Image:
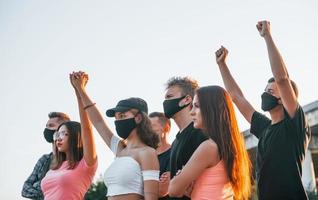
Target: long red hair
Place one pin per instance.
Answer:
(220, 124)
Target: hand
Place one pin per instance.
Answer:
(220, 55)
(164, 177)
(189, 190)
(164, 181)
(78, 80)
(263, 28)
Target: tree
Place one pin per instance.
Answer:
(97, 191)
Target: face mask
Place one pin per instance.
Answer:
(48, 135)
(124, 127)
(269, 101)
(171, 106)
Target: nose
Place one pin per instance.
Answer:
(192, 111)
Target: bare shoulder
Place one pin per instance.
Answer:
(208, 146)
(147, 152)
(208, 149)
(148, 158)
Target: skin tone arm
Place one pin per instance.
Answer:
(89, 150)
(232, 87)
(279, 70)
(164, 184)
(94, 114)
(191, 171)
(149, 161)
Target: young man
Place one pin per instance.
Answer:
(161, 125)
(177, 105)
(32, 186)
(283, 139)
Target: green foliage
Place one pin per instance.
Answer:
(97, 191)
(312, 195)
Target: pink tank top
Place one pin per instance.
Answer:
(68, 184)
(214, 184)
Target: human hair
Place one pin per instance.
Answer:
(220, 124)
(186, 84)
(145, 131)
(164, 121)
(75, 146)
(61, 116)
(293, 84)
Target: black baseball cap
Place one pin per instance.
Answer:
(127, 104)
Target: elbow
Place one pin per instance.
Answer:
(281, 80)
(235, 98)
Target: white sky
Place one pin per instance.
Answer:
(131, 48)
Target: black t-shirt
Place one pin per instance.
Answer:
(281, 150)
(164, 161)
(183, 147)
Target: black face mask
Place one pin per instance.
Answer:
(125, 126)
(269, 101)
(48, 135)
(171, 106)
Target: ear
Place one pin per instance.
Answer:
(138, 118)
(186, 100)
(166, 129)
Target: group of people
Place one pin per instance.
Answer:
(208, 158)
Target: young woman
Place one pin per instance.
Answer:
(134, 174)
(220, 168)
(75, 160)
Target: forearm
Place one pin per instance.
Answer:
(151, 190)
(95, 117)
(176, 188)
(276, 61)
(32, 190)
(87, 134)
(230, 84)
(163, 189)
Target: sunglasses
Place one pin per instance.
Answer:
(60, 134)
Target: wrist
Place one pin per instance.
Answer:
(89, 106)
(221, 63)
(268, 37)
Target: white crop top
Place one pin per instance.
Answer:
(124, 175)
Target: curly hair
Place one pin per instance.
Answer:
(187, 84)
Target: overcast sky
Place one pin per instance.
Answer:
(131, 48)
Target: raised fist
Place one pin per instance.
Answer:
(78, 80)
(263, 28)
(221, 54)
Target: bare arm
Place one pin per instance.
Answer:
(149, 161)
(95, 116)
(89, 149)
(231, 86)
(164, 184)
(279, 70)
(192, 170)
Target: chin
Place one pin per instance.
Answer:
(195, 125)
(62, 150)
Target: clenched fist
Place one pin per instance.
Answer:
(220, 55)
(263, 28)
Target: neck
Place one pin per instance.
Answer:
(277, 114)
(68, 153)
(133, 140)
(53, 148)
(163, 145)
(182, 118)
